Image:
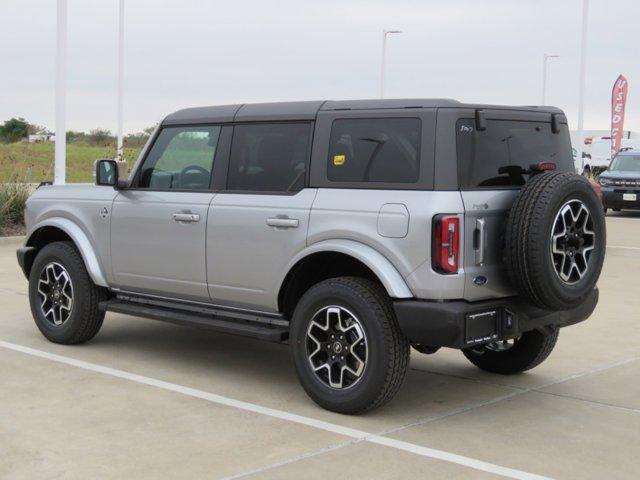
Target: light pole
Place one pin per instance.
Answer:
(59, 169)
(583, 69)
(384, 57)
(120, 150)
(545, 57)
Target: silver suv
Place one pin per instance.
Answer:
(351, 229)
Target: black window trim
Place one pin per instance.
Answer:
(226, 190)
(135, 178)
(369, 185)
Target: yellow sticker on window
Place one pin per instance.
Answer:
(338, 160)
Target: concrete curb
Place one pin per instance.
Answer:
(17, 240)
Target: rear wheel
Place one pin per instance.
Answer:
(514, 356)
(64, 300)
(349, 353)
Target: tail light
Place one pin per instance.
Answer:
(446, 244)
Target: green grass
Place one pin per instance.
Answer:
(12, 201)
(33, 162)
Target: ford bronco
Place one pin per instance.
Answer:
(354, 230)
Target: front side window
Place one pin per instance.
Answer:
(181, 159)
(502, 155)
(375, 150)
(269, 157)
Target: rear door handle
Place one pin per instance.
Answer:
(480, 241)
(283, 222)
(186, 217)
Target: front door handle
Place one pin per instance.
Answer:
(186, 217)
(283, 222)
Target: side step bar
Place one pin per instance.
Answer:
(226, 324)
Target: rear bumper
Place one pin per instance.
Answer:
(614, 199)
(461, 324)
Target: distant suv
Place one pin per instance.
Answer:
(621, 182)
(352, 229)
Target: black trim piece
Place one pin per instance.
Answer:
(273, 333)
(206, 309)
(481, 120)
(26, 255)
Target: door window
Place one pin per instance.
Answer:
(269, 157)
(181, 159)
(374, 150)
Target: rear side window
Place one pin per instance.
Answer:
(269, 157)
(375, 150)
(500, 155)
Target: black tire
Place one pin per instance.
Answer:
(84, 319)
(531, 266)
(387, 355)
(529, 351)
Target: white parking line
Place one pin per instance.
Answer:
(623, 247)
(282, 415)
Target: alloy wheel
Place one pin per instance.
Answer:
(572, 241)
(336, 346)
(55, 292)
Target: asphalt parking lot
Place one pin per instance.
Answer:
(146, 399)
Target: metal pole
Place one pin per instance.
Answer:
(61, 93)
(120, 148)
(544, 79)
(583, 69)
(384, 58)
(545, 59)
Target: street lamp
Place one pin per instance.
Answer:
(59, 169)
(545, 57)
(583, 70)
(384, 57)
(119, 134)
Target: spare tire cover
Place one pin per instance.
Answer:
(555, 240)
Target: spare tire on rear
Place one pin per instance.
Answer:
(555, 240)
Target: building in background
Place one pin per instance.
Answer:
(41, 137)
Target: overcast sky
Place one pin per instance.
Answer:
(195, 52)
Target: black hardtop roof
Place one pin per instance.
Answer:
(308, 110)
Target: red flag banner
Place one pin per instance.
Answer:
(618, 104)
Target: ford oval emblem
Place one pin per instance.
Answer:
(480, 280)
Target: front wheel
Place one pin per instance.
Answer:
(64, 300)
(514, 356)
(349, 353)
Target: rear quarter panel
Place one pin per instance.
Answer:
(371, 216)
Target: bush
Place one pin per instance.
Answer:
(13, 197)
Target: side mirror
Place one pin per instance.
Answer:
(107, 173)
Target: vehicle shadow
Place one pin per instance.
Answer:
(263, 373)
(624, 213)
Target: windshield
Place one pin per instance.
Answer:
(502, 154)
(625, 163)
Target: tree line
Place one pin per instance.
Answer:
(18, 129)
